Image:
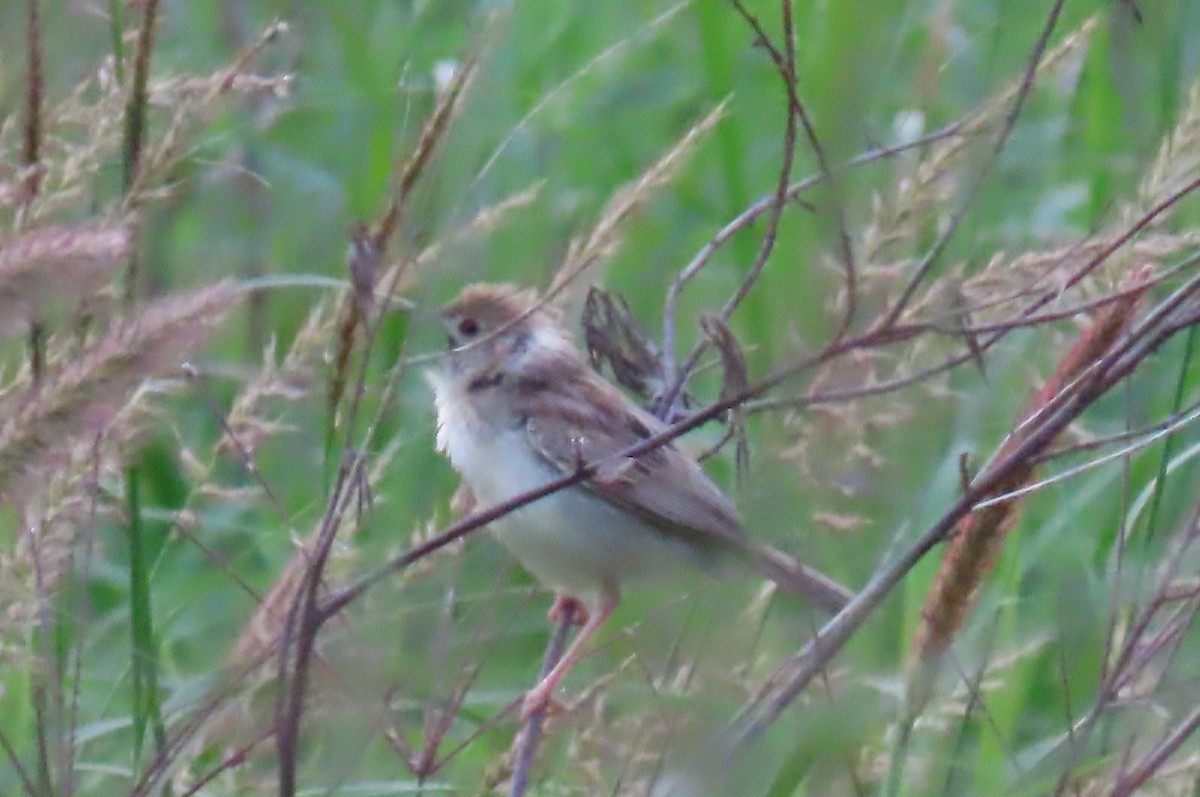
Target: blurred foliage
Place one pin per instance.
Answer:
(579, 99)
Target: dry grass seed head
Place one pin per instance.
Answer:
(923, 193)
(66, 506)
(84, 131)
(1176, 165)
(613, 335)
(52, 262)
(191, 101)
(79, 397)
(980, 536)
(485, 221)
(245, 426)
(261, 633)
(921, 197)
(605, 237)
(1178, 159)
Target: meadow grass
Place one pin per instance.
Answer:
(919, 281)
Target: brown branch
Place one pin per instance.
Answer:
(786, 66)
(980, 535)
(305, 617)
(300, 631)
(676, 380)
(135, 127)
(34, 87)
(795, 674)
(35, 83)
(135, 106)
(530, 734)
(787, 71)
(1130, 782)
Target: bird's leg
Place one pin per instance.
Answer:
(579, 612)
(538, 697)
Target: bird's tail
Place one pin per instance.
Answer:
(812, 585)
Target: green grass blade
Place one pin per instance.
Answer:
(1168, 445)
(147, 710)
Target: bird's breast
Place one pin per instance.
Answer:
(572, 540)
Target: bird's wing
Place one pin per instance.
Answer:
(587, 421)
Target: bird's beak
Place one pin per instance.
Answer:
(447, 323)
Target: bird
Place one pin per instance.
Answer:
(518, 406)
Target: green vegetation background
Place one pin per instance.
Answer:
(580, 98)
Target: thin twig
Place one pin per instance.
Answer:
(530, 734)
(301, 628)
(1130, 782)
(787, 71)
(26, 782)
(135, 126)
(879, 336)
(1143, 439)
(466, 525)
(795, 674)
(34, 87)
(188, 730)
(231, 761)
(1121, 667)
(786, 65)
(676, 379)
(84, 610)
(976, 186)
(245, 457)
(642, 31)
(305, 617)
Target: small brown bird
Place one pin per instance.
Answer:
(518, 406)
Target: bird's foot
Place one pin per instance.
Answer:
(541, 698)
(579, 612)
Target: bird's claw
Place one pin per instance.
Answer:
(541, 699)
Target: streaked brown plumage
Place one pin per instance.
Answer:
(518, 406)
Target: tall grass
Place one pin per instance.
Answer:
(918, 282)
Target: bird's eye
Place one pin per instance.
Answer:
(468, 327)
